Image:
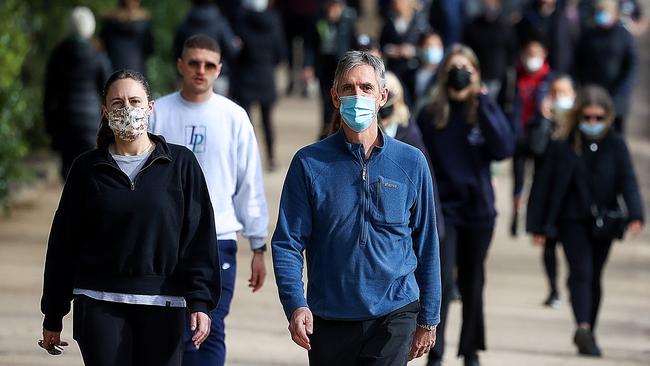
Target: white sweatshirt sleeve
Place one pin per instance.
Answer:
(249, 199)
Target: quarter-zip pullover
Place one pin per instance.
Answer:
(367, 228)
(154, 235)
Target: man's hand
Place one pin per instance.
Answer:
(301, 326)
(258, 271)
(423, 341)
(200, 325)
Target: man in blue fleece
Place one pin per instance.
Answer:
(360, 205)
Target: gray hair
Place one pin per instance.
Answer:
(352, 59)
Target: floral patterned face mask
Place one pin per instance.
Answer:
(128, 123)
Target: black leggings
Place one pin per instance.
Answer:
(115, 334)
(586, 258)
(550, 263)
(465, 248)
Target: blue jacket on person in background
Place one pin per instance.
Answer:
(461, 154)
(367, 228)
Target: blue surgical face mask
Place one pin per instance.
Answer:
(432, 55)
(592, 129)
(563, 103)
(358, 111)
(602, 18)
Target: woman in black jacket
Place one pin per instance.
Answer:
(132, 242)
(464, 132)
(253, 79)
(575, 198)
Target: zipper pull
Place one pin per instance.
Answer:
(133, 186)
(364, 173)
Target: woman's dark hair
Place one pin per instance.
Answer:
(105, 135)
(591, 95)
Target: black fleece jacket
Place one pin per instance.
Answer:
(155, 236)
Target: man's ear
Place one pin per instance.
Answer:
(219, 66)
(383, 96)
(335, 98)
(179, 64)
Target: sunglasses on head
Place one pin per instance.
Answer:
(590, 117)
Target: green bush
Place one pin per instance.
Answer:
(13, 122)
(28, 33)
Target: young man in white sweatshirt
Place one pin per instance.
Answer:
(221, 136)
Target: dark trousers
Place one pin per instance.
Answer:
(115, 334)
(267, 124)
(463, 248)
(550, 263)
(586, 258)
(519, 170)
(213, 351)
(382, 341)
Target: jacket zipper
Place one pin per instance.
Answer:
(365, 202)
(142, 170)
(132, 183)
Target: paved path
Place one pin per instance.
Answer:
(519, 330)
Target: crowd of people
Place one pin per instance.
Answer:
(412, 122)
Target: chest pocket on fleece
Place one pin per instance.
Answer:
(390, 201)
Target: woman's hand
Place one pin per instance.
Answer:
(635, 227)
(51, 340)
(200, 325)
(539, 240)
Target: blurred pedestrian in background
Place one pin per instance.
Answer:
(221, 136)
(551, 123)
(205, 18)
(533, 73)
(74, 79)
(253, 77)
(325, 43)
(400, 35)
(547, 20)
(132, 241)
(448, 18)
(495, 44)
(419, 81)
(298, 18)
(606, 56)
(576, 198)
(126, 34)
(464, 132)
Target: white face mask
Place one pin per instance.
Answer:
(256, 5)
(128, 123)
(533, 64)
(563, 104)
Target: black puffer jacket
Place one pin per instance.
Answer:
(128, 43)
(263, 48)
(75, 76)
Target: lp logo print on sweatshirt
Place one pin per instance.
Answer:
(195, 138)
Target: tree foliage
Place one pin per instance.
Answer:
(28, 33)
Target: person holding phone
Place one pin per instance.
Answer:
(133, 242)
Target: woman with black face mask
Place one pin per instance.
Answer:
(464, 132)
